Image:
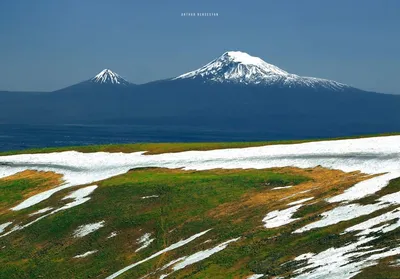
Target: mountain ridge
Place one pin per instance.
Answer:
(232, 67)
(273, 110)
(241, 68)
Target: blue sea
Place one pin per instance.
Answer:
(19, 137)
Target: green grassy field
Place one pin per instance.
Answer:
(232, 203)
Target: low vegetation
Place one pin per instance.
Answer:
(22, 185)
(174, 204)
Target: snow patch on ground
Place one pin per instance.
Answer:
(342, 262)
(365, 188)
(300, 201)
(173, 262)
(113, 234)
(149, 197)
(199, 256)
(351, 211)
(339, 214)
(304, 256)
(145, 241)
(40, 211)
(282, 187)
(369, 226)
(347, 261)
(169, 248)
(295, 194)
(288, 197)
(79, 196)
(84, 230)
(81, 193)
(4, 226)
(84, 255)
(395, 263)
(279, 218)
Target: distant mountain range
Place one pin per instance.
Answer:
(235, 92)
(235, 67)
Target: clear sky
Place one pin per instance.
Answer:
(48, 44)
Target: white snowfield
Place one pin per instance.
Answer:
(369, 155)
(378, 155)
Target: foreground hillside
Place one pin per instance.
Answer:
(326, 209)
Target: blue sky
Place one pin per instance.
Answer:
(47, 44)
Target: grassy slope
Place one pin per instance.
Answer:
(231, 202)
(157, 148)
(46, 248)
(20, 186)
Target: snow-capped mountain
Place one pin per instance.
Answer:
(109, 77)
(236, 94)
(242, 68)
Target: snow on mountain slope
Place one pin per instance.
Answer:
(109, 77)
(242, 68)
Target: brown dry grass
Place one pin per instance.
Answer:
(323, 184)
(48, 177)
(42, 180)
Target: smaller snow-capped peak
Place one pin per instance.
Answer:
(242, 68)
(109, 77)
